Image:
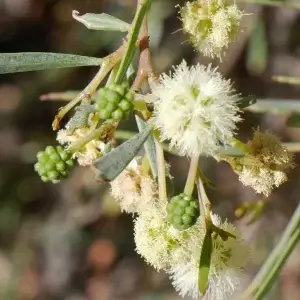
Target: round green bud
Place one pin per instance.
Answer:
(182, 211)
(53, 164)
(114, 102)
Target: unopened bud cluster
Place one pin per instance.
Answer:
(182, 211)
(53, 164)
(114, 102)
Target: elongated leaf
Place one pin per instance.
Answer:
(149, 146)
(101, 22)
(204, 265)
(34, 61)
(275, 106)
(132, 39)
(257, 52)
(112, 164)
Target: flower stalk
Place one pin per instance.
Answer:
(193, 170)
(161, 170)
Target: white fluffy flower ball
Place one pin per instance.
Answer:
(262, 180)
(134, 190)
(158, 242)
(152, 238)
(195, 108)
(228, 261)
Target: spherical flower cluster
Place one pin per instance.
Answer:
(272, 159)
(178, 253)
(211, 24)
(195, 108)
(262, 180)
(134, 190)
(229, 258)
(89, 152)
(159, 242)
(154, 239)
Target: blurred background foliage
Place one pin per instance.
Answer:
(69, 241)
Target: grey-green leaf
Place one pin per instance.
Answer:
(113, 163)
(204, 265)
(34, 61)
(101, 22)
(149, 146)
(80, 118)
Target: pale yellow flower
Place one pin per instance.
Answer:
(211, 25)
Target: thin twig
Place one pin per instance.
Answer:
(108, 63)
(145, 68)
(59, 96)
(287, 80)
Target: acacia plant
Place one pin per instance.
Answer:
(191, 111)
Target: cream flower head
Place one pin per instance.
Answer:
(133, 189)
(262, 180)
(272, 160)
(211, 24)
(228, 261)
(159, 242)
(89, 152)
(195, 108)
